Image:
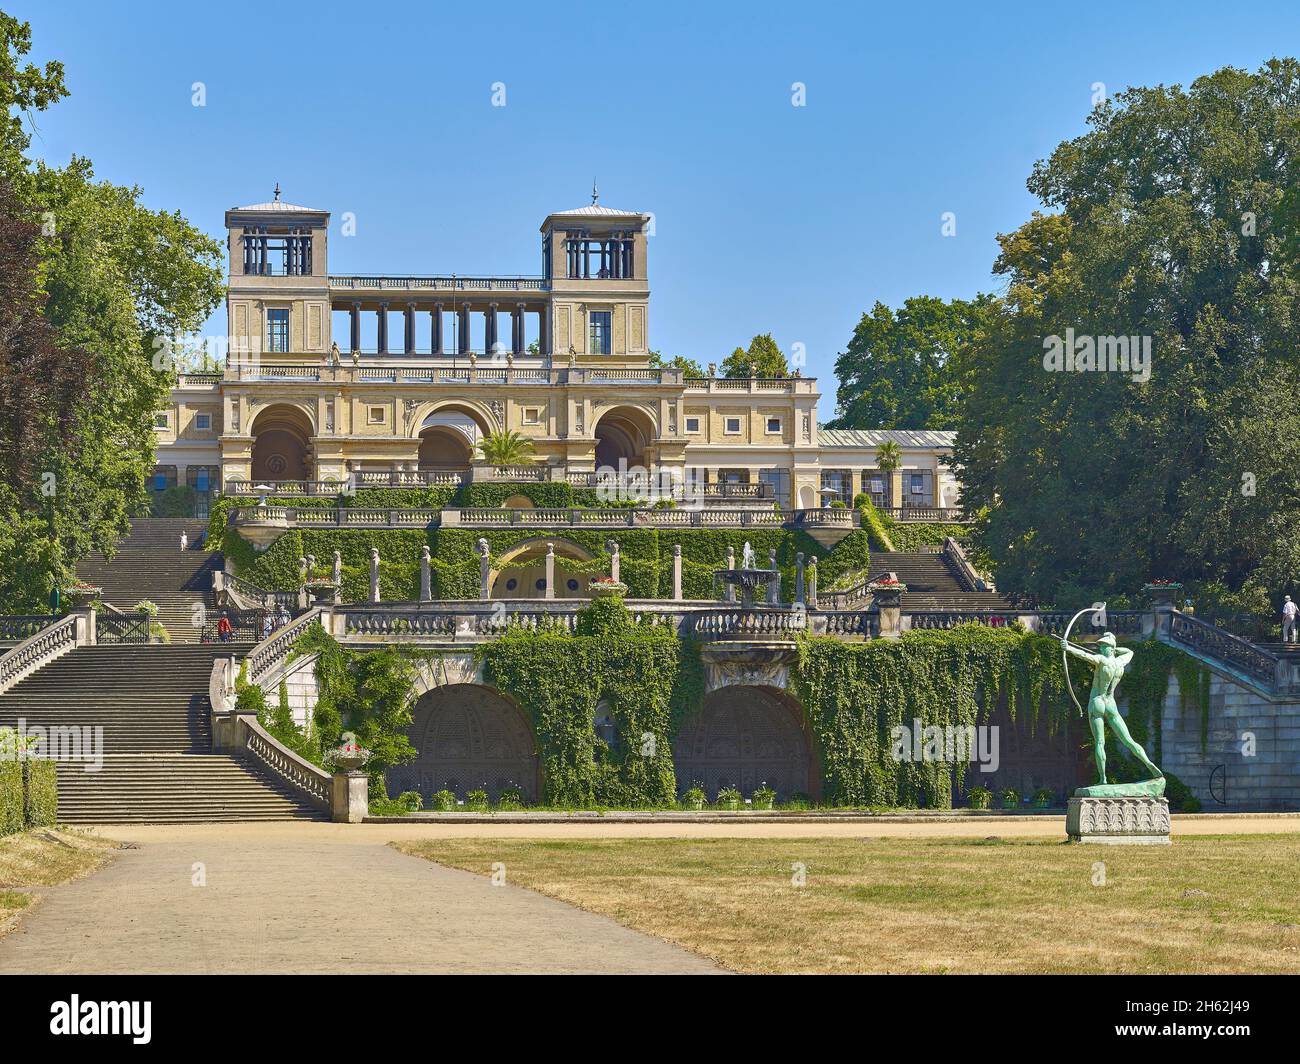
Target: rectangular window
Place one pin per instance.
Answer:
(277, 330)
(774, 426)
(160, 421)
(731, 426)
(203, 422)
(692, 425)
(532, 415)
(600, 333)
(376, 415)
(918, 484)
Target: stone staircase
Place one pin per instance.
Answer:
(932, 582)
(158, 766)
(149, 564)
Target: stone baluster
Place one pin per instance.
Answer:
(484, 568)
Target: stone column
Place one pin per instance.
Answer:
(518, 324)
(383, 329)
(550, 570)
(374, 574)
(773, 588)
(349, 797)
(484, 569)
(614, 560)
(798, 579)
(490, 329)
(462, 345)
(435, 338)
(409, 343)
(677, 572)
(426, 585)
(356, 327)
(337, 577)
(812, 584)
(730, 595)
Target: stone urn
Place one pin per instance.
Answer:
(1162, 594)
(349, 755)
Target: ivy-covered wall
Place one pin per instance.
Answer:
(645, 566)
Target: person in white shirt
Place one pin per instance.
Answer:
(185, 541)
(1288, 620)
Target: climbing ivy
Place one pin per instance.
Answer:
(855, 693)
(645, 677)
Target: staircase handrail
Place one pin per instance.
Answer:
(966, 573)
(314, 782)
(1221, 647)
(270, 654)
(20, 661)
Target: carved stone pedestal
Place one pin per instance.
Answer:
(1136, 821)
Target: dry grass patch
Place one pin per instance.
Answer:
(1205, 904)
(44, 857)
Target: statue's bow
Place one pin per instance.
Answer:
(1065, 653)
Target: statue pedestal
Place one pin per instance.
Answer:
(1132, 821)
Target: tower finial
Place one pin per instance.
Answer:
(277, 192)
(595, 193)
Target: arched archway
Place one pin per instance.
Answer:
(468, 736)
(745, 737)
(626, 434)
(520, 573)
(281, 445)
(444, 450)
(807, 498)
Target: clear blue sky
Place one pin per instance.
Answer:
(769, 217)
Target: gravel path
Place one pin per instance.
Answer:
(310, 898)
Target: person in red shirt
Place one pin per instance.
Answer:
(223, 629)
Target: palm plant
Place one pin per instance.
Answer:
(505, 448)
(888, 457)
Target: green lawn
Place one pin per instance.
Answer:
(1204, 904)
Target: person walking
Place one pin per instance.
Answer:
(185, 541)
(223, 629)
(1288, 620)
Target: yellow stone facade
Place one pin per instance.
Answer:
(328, 376)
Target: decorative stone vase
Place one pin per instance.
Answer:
(349, 755)
(887, 596)
(1162, 595)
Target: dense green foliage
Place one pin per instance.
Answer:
(106, 276)
(899, 371)
(1167, 227)
(646, 677)
(763, 358)
(29, 791)
(41, 792)
(855, 693)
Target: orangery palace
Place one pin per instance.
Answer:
(341, 379)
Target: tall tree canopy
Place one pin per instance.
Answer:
(1165, 227)
(110, 278)
(763, 358)
(899, 370)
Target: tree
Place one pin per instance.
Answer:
(686, 365)
(888, 457)
(763, 359)
(1185, 467)
(505, 448)
(899, 369)
(110, 277)
(43, 388)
